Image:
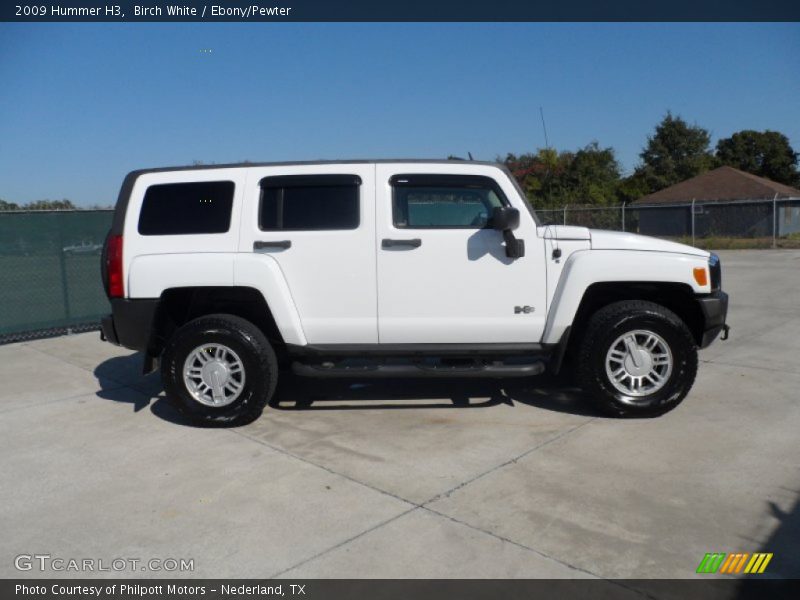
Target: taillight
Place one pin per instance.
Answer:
(114, 267)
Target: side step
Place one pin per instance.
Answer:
(412, 370)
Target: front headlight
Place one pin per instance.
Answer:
(715, 269)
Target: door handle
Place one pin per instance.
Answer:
(415, 243)
(284, 244)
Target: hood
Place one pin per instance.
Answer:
(617, 240)
(564, 232)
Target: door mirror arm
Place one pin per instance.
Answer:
(514, 248)
(506, 219)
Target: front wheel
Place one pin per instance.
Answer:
(219, 370)
(636, 359)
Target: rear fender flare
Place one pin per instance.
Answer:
(263, 273)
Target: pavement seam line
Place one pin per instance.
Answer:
(327, 469)
(511, 461)
(747, 338)
(118, 384)
(508, 540)
(72, 364)
(57, 400)
(530, 549)
(344, 542)
(741, 366)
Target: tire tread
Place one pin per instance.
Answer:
(606, 319)
(262, 353)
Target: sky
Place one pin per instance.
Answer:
(83, 104)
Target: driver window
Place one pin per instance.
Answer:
(443, 207)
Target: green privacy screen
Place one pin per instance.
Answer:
(50, 272)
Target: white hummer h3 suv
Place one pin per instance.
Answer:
(224, 275)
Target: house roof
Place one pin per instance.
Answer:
(724, 183)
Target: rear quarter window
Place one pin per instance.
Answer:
(187, 208)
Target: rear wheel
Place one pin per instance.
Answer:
(219, 369)
(636, 358)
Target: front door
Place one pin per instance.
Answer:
(443, 275)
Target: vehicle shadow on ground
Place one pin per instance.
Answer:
(545, 392)
(121, 380)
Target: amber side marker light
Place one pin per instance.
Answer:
(700, 276)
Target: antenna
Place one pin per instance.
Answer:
(544, 128)
(470, 155)
(547, 146)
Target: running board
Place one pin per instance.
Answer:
(500, 371)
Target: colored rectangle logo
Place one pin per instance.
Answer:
(734, 563)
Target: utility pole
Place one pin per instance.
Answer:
(775, 221)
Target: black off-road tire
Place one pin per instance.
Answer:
(252, 347)
(612, 321)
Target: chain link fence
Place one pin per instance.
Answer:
(771, 223)
(50, 272)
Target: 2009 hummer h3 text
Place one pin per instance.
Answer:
(223, 275)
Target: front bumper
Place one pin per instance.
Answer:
(715, 311)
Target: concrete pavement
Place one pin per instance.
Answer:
(448, 479)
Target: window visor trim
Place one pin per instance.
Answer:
(436, 180)
(284, 181)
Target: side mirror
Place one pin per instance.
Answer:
(505, 218)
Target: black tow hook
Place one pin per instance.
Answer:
(725, 330)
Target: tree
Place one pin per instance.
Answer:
(50, 205)
(593, 176)
(675, 152)
(541, 175)
(63, 204)
(764, 153)
(632, 188)
(552, 179)
(8, 205)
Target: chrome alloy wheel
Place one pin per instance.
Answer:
(639, 363)
(214, 375)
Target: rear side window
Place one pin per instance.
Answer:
(187, 208)
(444, 201)
(309, 202)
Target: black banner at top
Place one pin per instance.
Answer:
(402, 10)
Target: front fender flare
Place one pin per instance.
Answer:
(587, 267)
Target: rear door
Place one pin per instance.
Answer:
(318, 223)
(443, 276)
